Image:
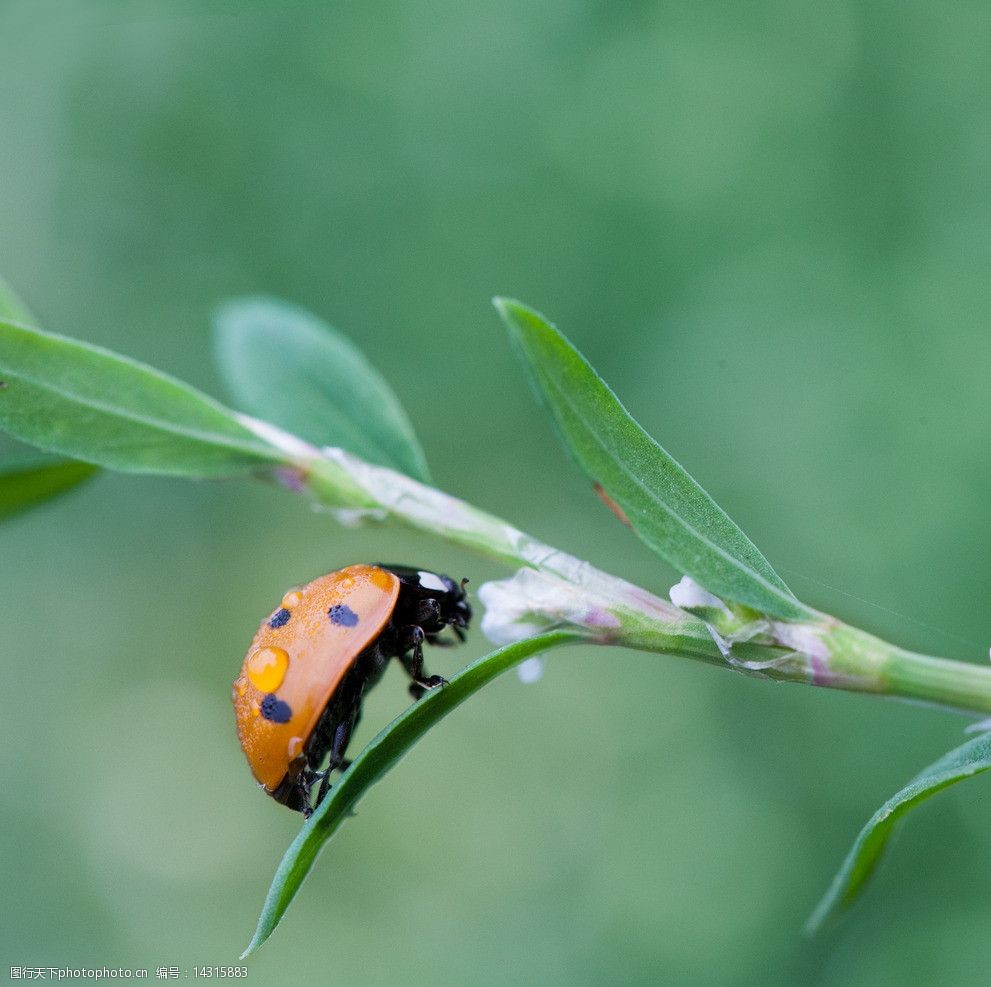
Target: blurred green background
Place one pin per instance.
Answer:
(766, 224)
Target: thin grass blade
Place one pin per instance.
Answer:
(382, 754)
(965, 761)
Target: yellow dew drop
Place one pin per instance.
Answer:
(266, 668)
(295, 747)
(292, 599)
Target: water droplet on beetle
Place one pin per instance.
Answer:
(267, 668)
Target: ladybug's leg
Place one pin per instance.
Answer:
(342, 737)
(303, 779)
(303, 789)
(411, 640)
(428, 615)
(324, 787)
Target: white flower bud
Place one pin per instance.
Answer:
(689, 595)
(532, 602)
(531, 670)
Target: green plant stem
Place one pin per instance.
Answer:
(393, 496)
(822, 652)
(909, 675)
(956, 684)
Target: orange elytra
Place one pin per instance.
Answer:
(301, 684)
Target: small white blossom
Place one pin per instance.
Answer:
(689, 595)
(532, 602)
(531, 670)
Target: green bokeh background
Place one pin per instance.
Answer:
(769, 227)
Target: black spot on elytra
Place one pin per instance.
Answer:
(280, 618)
(341, 613)
(275, 709)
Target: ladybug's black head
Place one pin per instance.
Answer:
(455, 605)
(455, 610)
(450, 597)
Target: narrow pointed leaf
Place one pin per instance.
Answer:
(383, 753)
(83, 401)
(969, 759)
(662, 503)
(26, 483)
(285, 365)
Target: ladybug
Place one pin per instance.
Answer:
(299, 692)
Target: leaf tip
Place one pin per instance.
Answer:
(260, 937)
(823, 915)
(233, 317)
(515, 313)
(502, 305)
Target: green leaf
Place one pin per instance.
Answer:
(284, 365)
(384, 752)
(12, 306)
(970, 759)
(82, 401)
(664, 505)
(29, 482)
